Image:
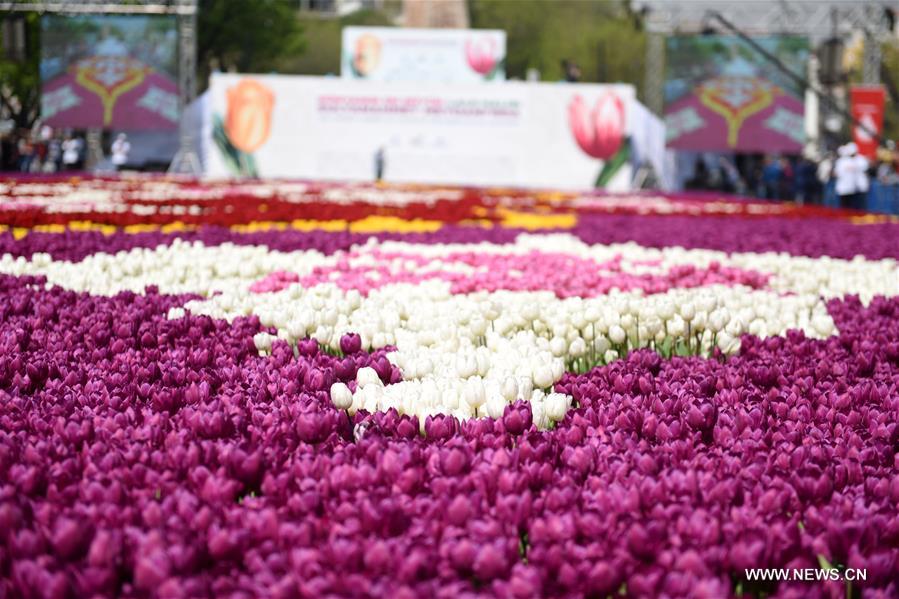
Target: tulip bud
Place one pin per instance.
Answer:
(525, 387)
(367, 376)
(735, 327)
(718, 320)
(509, 389)
(296, 330)
(706, 303)
(601, 344)
(578, 348)
(478, 326)
(495, 407)
(481, 357)
(530, 311)
(556, 405)
(558, 369)
(666, 310)
(617, 334)
(350, 343)
(543, 377)
(466, 366)
(263, 341)
(687, 311)
(823, 324)
(475, 395)
(341, 396)
(558, 346)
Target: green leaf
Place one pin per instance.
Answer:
(613, 164)
(496, 69)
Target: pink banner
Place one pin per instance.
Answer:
(112, 92)
(735, 113)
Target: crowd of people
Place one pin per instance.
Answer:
(843, 174)
(43, 150)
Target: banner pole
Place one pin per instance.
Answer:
(186, 161)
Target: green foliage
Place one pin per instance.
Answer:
(600, 36)
(249, 36)
(323, 42)
(20, 81)
(890, 72)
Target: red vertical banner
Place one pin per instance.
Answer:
(866, 103)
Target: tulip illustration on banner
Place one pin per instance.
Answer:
(246, 126)
(600, 133)
(482, 55)
(366, 56)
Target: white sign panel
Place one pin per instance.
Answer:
(434, 55)
(516, 134)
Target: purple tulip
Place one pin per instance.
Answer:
(350, 343)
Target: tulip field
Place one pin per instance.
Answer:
(291, 389)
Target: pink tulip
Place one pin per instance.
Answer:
(480, 55)
(600, 133)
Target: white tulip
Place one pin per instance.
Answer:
(475, 396)
(556, 405)
(718, 320)
(495, 407)
(263, 341)
(509, 389)
(558, 346)
(341, 396)
(543, 377)
(525, 387)
(558, 369)
(366, 377)
(578, 348)
(466, 366)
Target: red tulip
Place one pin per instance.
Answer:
(600, 133)
(481, 55)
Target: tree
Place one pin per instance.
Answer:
(249, 36)
(323, 42)
(601, 36)
(889, 71)
(20, 79)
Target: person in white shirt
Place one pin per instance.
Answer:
(69, 153)
(120, 149)
(851, 172)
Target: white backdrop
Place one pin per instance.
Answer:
(435, 55)
(514, 134)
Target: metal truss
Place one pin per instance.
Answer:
(156, 7)
(810, 18)
(185, 160)
(815, 19)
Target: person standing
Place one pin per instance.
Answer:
(54, 156)
(380, 164)
(851, 172)
(772, 176)
(26, 152)
(120, 149)
(69, 153)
